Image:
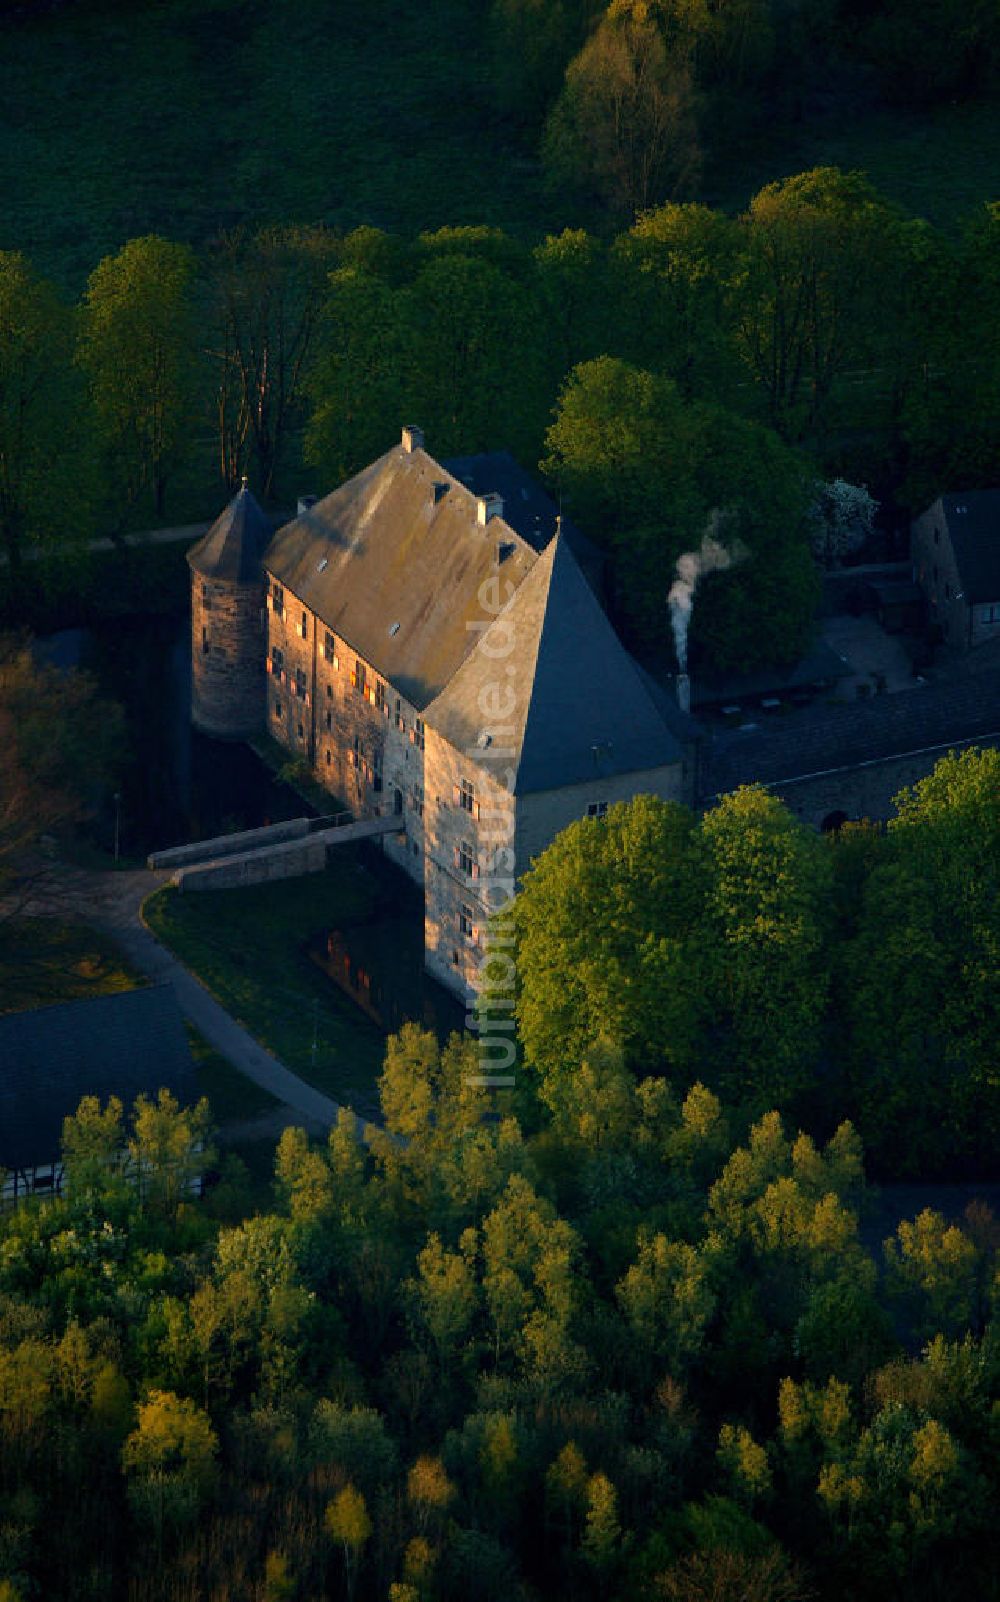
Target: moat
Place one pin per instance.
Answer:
(178, 785)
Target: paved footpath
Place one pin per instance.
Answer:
(111, 901)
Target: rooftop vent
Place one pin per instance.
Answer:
(440, 491)
(504, 549)
(487, 506)
(413, 438)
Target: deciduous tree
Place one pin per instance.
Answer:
(137, 349)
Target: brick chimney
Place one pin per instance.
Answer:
(487, 506)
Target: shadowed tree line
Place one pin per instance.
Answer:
(695, 364)
(630, 101)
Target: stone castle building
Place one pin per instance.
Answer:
(428, 640)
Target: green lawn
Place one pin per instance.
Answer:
(940, 165)
(194, 115)
(43, 961)
(249, 948)
(232, 1096)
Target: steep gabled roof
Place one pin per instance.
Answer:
(393, 561)
(582, 711)
(234, 546)
(528, 508)
(51, 1057)
(973, 520)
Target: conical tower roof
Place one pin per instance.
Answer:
(234, 546)
(581, 709)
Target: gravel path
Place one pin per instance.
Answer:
(111, 901)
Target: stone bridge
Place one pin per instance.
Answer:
(260, 856)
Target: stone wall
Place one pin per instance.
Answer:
(469, 815)
(363, 742)
(229, 845)
(540, 817)
(228, 641)
(863, 791)
(288, 861)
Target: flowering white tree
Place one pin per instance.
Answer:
(840, 520)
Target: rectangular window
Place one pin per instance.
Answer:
(465, 860)
(358, 677)
(204, 641)
(417, 800)
(206, 598)
(304, 627)
(467, 920)
(277, 661)
(278, 710)
(277, 599)
(300, 683)
(329, 720)
(330, 648)
(597, 809)
(990, 614)
(418, 730)
(380, 695)
(467, 796)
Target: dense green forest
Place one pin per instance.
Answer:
(612, 1334)
(695, 363)
(628, 1331)
(568, 258)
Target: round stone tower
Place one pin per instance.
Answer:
(228, 641)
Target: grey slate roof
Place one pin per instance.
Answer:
(974, 526)
(50, 1057)
(399, 544)
(527, 507)
(234, 546)
(820, 665)
(816, 740)
(582, 709)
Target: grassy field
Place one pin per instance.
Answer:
(195, 115)
(248, 947)
(43, 961)
(232, 1096)
(941, 166)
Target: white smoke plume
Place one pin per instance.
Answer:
(710, 557)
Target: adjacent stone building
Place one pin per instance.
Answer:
(956, 562)
(435, 649)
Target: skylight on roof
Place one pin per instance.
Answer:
(323, 564)
(393, 630)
